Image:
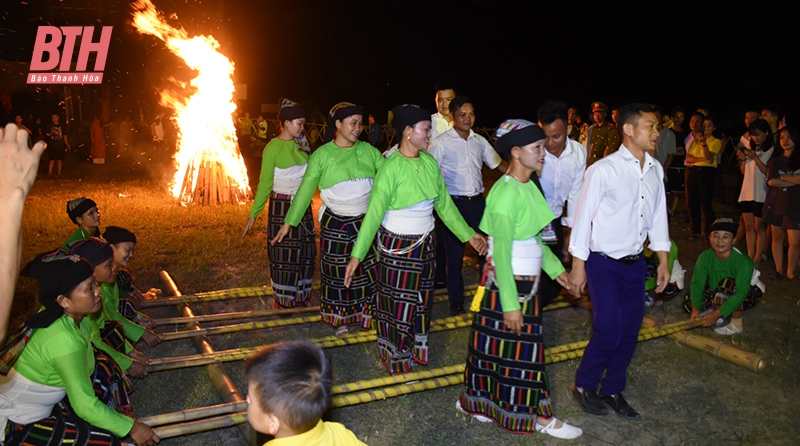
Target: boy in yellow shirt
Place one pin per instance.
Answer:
(288, 390)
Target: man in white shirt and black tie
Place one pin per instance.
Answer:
(461, 153)
(622, 203)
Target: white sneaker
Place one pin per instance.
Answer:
(720, 321)
(565, 432)
(728, 330)
(480, 418)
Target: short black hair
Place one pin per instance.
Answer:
(697, 113)
(292, 381)
(775, 111)
(445, 85)
(677, 110)
(716, 123)
(552, 110)
(630, 113)
(457, 102)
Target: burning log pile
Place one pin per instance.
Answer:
(210, 167)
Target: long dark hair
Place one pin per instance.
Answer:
(794, 158)
(763, 127)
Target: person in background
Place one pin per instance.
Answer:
(441, 120)
(84, 213)
(17, 174)
(603, 137)
(98, 153)
(460, 154)
(754, 158)
(157, 131)
(57, 144)
(374, 134)
(578, 130)
(701, 162)
(782, 207)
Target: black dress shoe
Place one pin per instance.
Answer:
(457, 309)
(618, 404)
(589, 401)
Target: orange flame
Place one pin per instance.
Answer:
(203, 109)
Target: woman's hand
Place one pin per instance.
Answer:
(143, 435)
(248, 226)
(150, 338)
(513, 321)
(478, 241)
(282, 232)
(350, 271)
(563, 280)
(137, 369)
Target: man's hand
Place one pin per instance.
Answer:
(478, 241)
(577, 278)
(663, 277)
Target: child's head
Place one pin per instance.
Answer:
(123, 243)
(288, 388)
(100, 255)
(723, 230)
(83, 212)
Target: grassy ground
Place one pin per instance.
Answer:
(684, 396)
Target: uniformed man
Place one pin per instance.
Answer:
(603, 137)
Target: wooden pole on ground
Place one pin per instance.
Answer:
(720, 349)
(216, 372)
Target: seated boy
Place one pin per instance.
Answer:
(730, 273)
(288, 390)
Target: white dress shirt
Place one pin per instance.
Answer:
(439, 125)
(621, 205)
(460, 161)
(562, 178)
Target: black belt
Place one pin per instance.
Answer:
(464, 197)
(627, 260)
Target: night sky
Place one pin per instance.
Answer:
(507, 56)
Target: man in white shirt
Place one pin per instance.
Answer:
(461, 153)
(622, 203)
(561, 179)
(441, 120)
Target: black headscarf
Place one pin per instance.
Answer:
(516, 133)
(290, 110)
(79, 206)
(93, 249)
(58, 273)
(408, 115)
(115, 234)
(340, 112)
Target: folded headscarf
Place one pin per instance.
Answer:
(79, 206)
(58, 273)
(115, 234)
(516, 133)
(93, 249)
(408, 115)
(290, 110)
(340, 112)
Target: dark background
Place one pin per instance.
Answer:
(508, 56)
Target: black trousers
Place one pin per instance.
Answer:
(472, 211)
(549, 288)
(699, 196)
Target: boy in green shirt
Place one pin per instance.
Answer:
(730, 273)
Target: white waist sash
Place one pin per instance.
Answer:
(24, 401)
(526, 256)
(416, 219)
(287, 181)
(348, 198)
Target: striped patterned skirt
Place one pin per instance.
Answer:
(505, 379)
(405, 297)
(64, 426)
(339, 305)
(291, 262)
(126, 306)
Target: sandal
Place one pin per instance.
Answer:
(341, 331)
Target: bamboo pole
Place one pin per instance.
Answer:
(196, 427)
(719, 349)
(233, 316)
(193, 414)
(258, 291)
(183, 334)
(226, 388)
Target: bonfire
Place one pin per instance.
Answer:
(210, 167)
